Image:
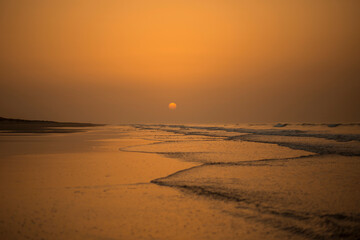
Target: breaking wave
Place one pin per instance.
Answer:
(298, 178)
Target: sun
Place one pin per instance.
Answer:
(172, 106)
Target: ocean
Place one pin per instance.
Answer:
(171, 181)
(300, 178)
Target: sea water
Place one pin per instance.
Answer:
(300, 178)
(166, 181)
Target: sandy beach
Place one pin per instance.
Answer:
(80, 186)
(141, 182)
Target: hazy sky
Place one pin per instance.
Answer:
(220, 60)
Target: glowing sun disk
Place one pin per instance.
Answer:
(172, 106)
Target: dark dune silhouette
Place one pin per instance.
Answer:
(41, 126)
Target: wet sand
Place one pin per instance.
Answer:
(94, 191)
(125, 182)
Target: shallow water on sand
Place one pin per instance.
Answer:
(302, 179)
(182, 182)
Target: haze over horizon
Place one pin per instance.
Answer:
(219, 61)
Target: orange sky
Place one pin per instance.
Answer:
(219, 60)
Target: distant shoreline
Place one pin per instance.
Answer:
(11, 125)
